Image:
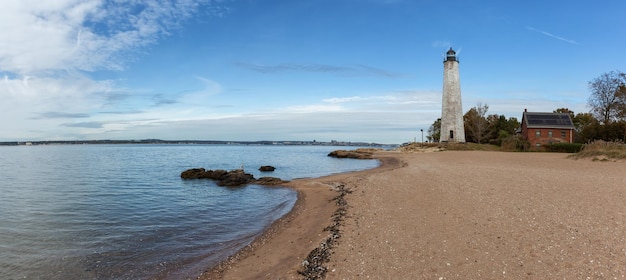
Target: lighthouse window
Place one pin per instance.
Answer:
(451, 134)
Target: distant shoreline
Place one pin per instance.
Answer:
(193, 142)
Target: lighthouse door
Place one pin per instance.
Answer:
(451, 134)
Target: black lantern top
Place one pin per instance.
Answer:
(451, 55)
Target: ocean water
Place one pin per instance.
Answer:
(122, 211)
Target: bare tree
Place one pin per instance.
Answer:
(608, 97)
(476, 124)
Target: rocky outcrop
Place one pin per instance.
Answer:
(267, 168)
(356, 154)
(201, 173)
(270, 181)
(229, 178)
(235, 178)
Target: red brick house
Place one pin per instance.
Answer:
(546, 128)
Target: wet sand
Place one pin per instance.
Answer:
(453, 215)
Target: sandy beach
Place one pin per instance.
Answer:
(453, 215)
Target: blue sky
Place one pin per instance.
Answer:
(346, 70)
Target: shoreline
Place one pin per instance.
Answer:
(454, 215)
(311, 214)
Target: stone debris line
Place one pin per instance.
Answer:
(314, 263)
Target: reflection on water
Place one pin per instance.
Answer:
(122, 211)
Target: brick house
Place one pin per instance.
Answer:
(546, 128)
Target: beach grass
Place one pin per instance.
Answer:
(470, 147)
(602, 151)
(424, 147)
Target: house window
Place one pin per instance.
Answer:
(550, 134)
(563, 134)
(537, 144)
(537, 133)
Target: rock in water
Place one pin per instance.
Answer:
(194, 173)
(215, 174)
(357, 154)
(235, 178)
(270, 181)
(265, 168)
(229, 178)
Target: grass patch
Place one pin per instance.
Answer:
(420, 147)
(415, 146)
(602, 151)
(470, 147)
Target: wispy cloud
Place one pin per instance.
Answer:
(441, 44)
(84, 124)
(131, 112)
(343, 99)
(356, 70)
(61, 115)
(552, 35)
(161, 100)
(395, 99)
(84, 35)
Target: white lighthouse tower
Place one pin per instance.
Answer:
(452, 129)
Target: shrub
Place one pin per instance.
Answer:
(514, 143)
(564, 147)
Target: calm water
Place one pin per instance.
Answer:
(122, 211)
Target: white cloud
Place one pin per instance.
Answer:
(39, 36)
(35, 104)
(342, 99)
(49, 48)
(393, 117)
(392, 101)
(322, 126)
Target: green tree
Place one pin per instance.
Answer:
(613, 131)
(565, 110)
(500, 128)
(608, 97)
(586, 127)
(434, 131)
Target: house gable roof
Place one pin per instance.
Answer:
(547, 120)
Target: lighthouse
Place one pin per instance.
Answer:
(452, 129)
